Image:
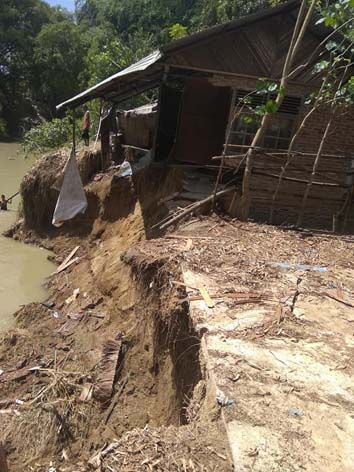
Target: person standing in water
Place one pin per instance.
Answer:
(4, 202)
(86, 125)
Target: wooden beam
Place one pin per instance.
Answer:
(301, 181)
(228, 74)
(275, 152)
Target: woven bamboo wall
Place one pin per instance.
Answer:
(327, 196)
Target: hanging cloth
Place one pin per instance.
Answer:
(72, 199)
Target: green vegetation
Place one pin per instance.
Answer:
(47, 135)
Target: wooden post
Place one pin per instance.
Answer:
(158, 116)
(99, 127)
(105, 142)
(74, 132)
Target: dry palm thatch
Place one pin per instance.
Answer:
(107, 370)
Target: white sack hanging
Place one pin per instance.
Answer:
(72, 199)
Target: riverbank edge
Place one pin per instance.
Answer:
(35, 321)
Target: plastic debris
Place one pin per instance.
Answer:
(303, 267)
(222, 399)
(125, 170)
(296, 412)
(86, 392)
(73, 297)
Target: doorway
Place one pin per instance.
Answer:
(202, 123)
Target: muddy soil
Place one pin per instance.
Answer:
(55, 363)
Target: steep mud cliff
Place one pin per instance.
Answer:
(113, 319)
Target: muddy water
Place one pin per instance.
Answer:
(22, 267)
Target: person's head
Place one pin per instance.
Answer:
(3, 197)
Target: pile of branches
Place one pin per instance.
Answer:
(49, 421)
(160, 449)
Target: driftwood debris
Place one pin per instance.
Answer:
(103, 388)
(68, 261)
(16, 375)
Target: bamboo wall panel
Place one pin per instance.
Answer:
(324, 202)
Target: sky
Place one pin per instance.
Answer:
(69, 4)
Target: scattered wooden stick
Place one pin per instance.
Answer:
(204, 293)
(116, 397)
(332, 294)
(194, 206)
(67, 261)
(70, 263)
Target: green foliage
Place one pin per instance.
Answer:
(220, 11)
(247, 120)
(107, 56)
(320, 66)
(58, 59)
(127, 17)
(47, 135)
(177, 31)
(336, 58)
(20, 23)
(336, 14)
(271, 106)
(265, 86)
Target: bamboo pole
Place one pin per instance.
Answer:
(314, 170)
(74, 132)
(234, 113)
(195, 206)
(302, 22)
(302, 181)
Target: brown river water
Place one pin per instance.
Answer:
(23, 268)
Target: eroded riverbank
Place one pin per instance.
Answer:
(116, 356)
(179, 352)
